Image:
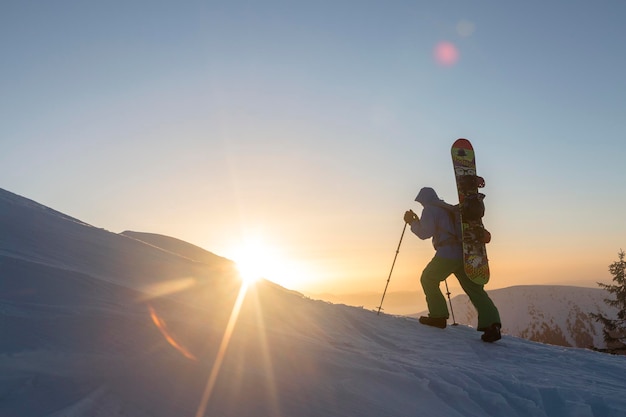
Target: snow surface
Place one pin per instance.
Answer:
(101, 324)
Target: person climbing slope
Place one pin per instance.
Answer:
(440, 223)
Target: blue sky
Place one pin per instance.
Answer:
(309, 128)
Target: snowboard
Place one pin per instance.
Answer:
(472, 208)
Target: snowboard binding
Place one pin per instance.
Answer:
(470, 182)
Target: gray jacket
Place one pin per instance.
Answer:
(438, 222)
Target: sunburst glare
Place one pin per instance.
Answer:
(256, 259)
(252, 261)
(221, 352)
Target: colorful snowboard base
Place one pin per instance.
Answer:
(472, 209)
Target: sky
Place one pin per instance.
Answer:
(301, 132)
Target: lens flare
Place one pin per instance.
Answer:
(465, 28)
(162, 326)
(161, 289)
(446, 54)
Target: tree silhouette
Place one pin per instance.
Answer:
(614, 331)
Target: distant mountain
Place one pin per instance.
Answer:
(554, 314)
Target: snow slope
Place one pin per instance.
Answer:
(99, 324)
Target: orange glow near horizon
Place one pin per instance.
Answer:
(360, 266)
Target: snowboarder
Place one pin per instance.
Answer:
(439, 223)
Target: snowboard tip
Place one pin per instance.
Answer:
(462, 143)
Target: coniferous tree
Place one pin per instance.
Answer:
(614, 331)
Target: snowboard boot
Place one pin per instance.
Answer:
(492, 333)
(433, 321)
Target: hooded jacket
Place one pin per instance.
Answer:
(438, 223)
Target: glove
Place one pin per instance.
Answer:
(410, 217)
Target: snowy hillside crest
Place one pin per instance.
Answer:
(85, 332)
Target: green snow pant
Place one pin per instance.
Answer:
(441, 268)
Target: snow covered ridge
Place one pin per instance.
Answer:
(178, 247)
(37, 234)
(554, 314)
(98, 324)
(11, 201)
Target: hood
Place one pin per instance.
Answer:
(428, 196)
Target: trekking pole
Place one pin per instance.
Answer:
(392, 265)
(454, 323)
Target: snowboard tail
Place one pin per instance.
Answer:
(474, 235)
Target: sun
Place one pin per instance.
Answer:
(257, 259)
(252, 262)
